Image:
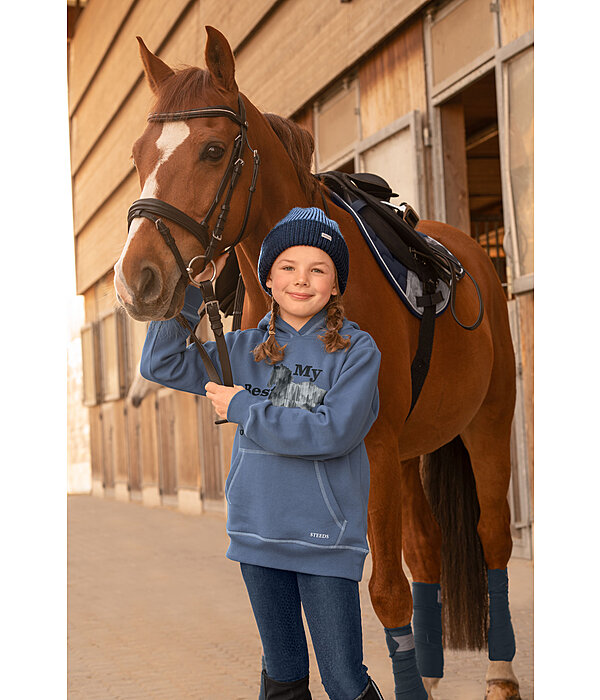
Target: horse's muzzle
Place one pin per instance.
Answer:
(148, 299)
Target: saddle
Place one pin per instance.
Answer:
(409, 259)
(421, 270)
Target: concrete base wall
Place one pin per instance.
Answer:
(188, 501)
(151, 496)
(122, 492)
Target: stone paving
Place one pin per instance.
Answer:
(156, 611)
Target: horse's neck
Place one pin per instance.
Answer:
(344, 220)
(280, 191)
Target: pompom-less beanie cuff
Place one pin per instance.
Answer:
(304, 227)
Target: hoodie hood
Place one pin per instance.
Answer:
(314, 326)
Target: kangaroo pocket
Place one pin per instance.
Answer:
(283, 498)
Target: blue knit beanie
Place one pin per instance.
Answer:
(304, 227)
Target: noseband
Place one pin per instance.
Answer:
(156, 210)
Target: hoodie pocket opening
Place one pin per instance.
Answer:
(328, 496)
(234, 470)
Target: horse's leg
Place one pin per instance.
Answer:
(421, 546)
(388, 587)
(487, 440)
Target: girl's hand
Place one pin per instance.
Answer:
(221, 396)
(210, 270)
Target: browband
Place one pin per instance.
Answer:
(239, 119)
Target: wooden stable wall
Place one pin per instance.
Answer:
(296, 58)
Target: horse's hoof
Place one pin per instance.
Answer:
(502, 690)
(430, 684)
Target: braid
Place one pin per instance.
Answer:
(335, 320)
(270, 350)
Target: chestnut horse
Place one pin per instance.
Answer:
(462, 419)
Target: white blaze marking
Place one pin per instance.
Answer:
(173, 134)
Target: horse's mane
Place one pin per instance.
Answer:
(299, 144)
(188, 84)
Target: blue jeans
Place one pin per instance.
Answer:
(332, 609)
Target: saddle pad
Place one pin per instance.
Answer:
(404, 281)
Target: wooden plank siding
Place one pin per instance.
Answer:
(94, 33)
(105, 295)
(392, 80)
(121, 457)
(109, 164)
(456, 186)
(309, 45)
(526, 326)
(516, 18)
(96, 459)
(175, 31)
(149, 441)
(187, 447)
(134, 448)
(121, 70)
(99, 244)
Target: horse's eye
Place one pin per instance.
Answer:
(213, 152)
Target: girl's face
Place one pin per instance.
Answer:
(301, 280)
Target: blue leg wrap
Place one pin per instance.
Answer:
(401, 645)
(501, 636)
(427, 621)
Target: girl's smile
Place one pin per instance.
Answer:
(302, 280)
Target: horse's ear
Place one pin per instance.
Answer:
(219, 60)
(156, 70)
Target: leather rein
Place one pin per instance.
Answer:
(156, 210)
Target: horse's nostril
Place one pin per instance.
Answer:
(149, 286)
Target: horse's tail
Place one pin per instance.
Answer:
(449, 484)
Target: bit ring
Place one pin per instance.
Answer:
(189, 270)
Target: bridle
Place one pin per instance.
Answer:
(156, 210)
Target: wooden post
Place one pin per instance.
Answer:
(456, 188)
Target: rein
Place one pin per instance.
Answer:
(156, 210)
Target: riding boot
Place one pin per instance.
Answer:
(295, 690)
(371, 692)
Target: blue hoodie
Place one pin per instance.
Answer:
(298, 486)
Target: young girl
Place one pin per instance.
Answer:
(305, 397)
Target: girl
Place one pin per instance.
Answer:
(298, 485)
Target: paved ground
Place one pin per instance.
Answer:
(155, 610)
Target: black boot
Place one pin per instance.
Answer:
(295, 690)
(371, 692)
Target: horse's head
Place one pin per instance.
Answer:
(186, 163)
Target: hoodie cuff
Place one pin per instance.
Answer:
(192, 302)
(238, 410)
